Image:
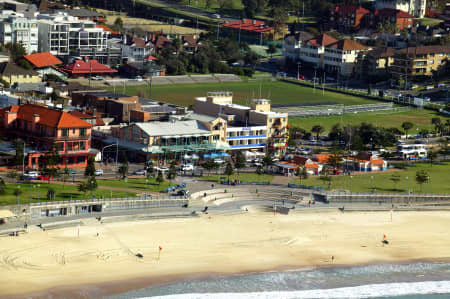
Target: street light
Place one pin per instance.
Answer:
(406, 184)
(371, 185)
(298, 70)
(351, 183)
(146, 188)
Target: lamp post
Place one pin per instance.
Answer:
(351, 184)
(298, 70)
(371, 183)
(39, 189)
(407, 185)
(146, 188)
(23, 159)
(18, 191)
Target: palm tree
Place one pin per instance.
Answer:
(407, 126)
(317, 129)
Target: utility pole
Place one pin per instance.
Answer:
(323, 84)
(117, 151)
(298, 70)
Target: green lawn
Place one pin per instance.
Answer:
(249, 177)
(439, 178)
(430, 21)
(278, 92)
(236, 4)
(421, 118)
(136, 184)
(38, 192)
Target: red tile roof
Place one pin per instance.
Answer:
(47, 117)
(42, 59)
(83, 67)
(107, 29)
(321, 40)
(348, 44)
(249, 25)
(350, 9)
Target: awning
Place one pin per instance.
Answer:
(206, 156)
(214, 155)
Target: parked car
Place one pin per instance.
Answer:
(45, 177)
(140, 172)
(31, 175)
(162, 168)
(138, 78)
(187, 167)
(183, 192)
(97, 78)
(219, 161)
(215, 16)
(98, 172)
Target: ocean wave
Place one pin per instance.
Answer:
(363, 291)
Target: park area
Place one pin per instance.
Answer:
(278, 92)
(37, 192)
(420, 118)
(383, 182)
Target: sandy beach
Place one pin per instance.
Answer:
(102, 259)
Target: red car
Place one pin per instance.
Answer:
(45, 178)
(301, 77)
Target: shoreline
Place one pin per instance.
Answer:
(255, 243)
(117, 287)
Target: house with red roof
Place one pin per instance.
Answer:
(251, 31)
(347, 18)
(402, 19)
(89, 67)
(43, 128)
(45, 63)
(365, 162)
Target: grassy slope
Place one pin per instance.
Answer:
(250, 177)
(136, 184)
(439, 175)
(421, 118)
(278, 92)
(62, 192)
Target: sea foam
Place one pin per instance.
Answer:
(363, 291)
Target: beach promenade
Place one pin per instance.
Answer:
(99, 258)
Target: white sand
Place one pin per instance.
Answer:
(217, 244)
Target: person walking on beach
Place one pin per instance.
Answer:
(332, 258)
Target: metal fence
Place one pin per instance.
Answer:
(326, 110)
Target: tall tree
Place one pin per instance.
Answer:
(240, 161)
(406, 126)
(123, 169)
(395, 178)
(90, 168)
(436, 121)
(18, 146)
(271, 49)
(160, 178)
(422, 177)
(228, 170)
(317, 129)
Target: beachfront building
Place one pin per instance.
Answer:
(248, 128)
(64, 35)
(42, 127)
(177, 139)
(15, 28)
(414, 7)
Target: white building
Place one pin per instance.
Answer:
(414, 7)
(135, 48)
(15, 28)
(64, 35)
(327, 53)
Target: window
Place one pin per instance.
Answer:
(73, 131)
(65, 132)
(82, 132)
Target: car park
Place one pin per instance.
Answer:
(98, 172)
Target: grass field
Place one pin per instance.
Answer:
(430, 21)
(421, 118)
(243, 92)
(38, 192)
(439, 176)
(146, 24)
(136, 184)
(249, 177)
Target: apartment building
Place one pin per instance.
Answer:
(375, 62)
(293, 43)
(254, 127)
(42, 127)
(15, 28)
(327, 53)
(419, 61)
(64, 35)
(340, 57)
(414, 7)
